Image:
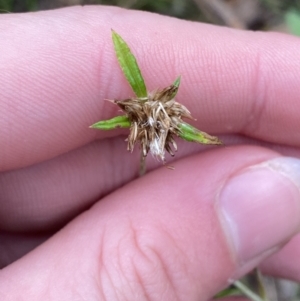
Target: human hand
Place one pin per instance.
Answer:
(170, 235)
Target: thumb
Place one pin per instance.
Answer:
(259, 209)
(171, 235)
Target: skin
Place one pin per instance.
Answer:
(158, 237)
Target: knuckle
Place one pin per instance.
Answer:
(136, 266)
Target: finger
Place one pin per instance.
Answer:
(29, 201)
(230, 209)
(46, 196)
(286, 262)
(54, 81)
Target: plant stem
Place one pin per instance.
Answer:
(142, 170)
(247, 292)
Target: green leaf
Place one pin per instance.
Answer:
(129, 66)
(110, 124)
(189, 133)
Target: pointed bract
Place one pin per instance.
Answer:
(113, 123)
(175, 87)
(129, 66)
(189, 133)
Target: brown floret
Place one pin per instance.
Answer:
(154, 121)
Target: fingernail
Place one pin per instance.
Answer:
(260, 207)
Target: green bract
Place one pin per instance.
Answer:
(189, 133)
(129, 66)
(176, 84)
(116, 122)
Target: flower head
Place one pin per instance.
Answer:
(153, 118)
(154, 121)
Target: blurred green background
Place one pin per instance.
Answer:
(246, 14)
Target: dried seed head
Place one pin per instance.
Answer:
(153, 118)
(154, 121)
